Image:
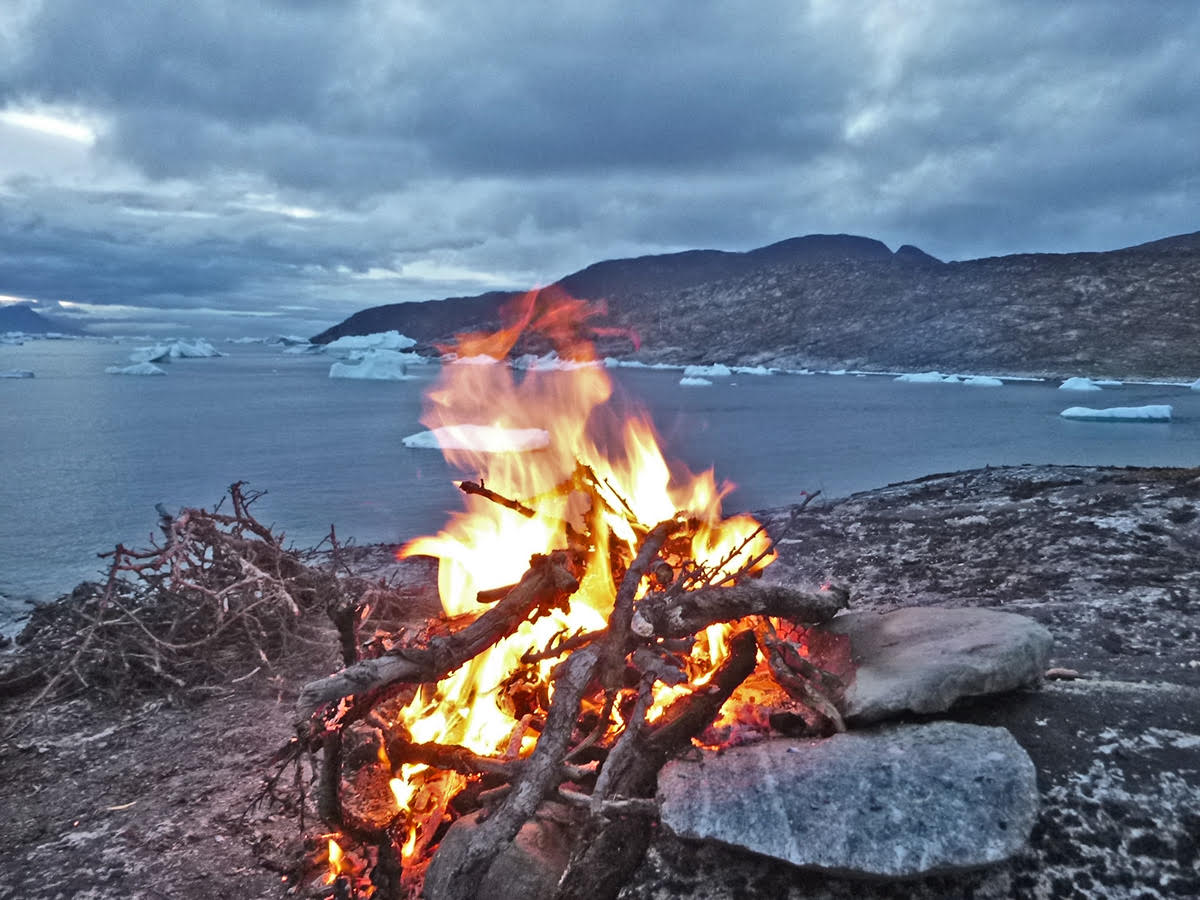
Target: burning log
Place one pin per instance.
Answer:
(547, 584)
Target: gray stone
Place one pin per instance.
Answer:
(529, 867)
(897, 802)
(922, 659)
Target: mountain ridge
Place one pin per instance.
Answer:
(27, 320)
(846, 301)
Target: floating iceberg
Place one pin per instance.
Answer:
(1158, 413)
(923, 378)
(693, 381)
(481, 438)
(481, 360)
(142, 368)
(16, 373)
(752, 370)
(551, 362)
(714, 371)
(376, 365)
(982, 381)
(1196, 385)
(1079, 384)
(383, 340)
(157, 353)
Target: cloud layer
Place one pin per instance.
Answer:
(311, 158)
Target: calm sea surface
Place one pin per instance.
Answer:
(86, 455)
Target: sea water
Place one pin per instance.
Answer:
(86, 456)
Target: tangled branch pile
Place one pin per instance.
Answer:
(218, 594)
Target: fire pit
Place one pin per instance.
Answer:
(601, 617)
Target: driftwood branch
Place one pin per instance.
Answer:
(547, 584)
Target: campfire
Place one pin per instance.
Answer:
(600, 618)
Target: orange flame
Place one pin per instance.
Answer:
(486, 545)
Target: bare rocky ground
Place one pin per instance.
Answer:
(153, 799)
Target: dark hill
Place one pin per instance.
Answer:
(842, 301)
(19, 317)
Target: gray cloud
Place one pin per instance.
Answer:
(253, 154)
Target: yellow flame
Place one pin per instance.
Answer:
(336, 862)
(486, 545)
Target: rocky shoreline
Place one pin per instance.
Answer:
(153, 800)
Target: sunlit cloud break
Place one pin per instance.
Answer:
(59, 125)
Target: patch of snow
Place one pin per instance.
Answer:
(16, 373)
(383, 340)
(714, 371)
(1153, 413)
(1079, 384)
(482, 438)
(375, 365)
(693, 381)
(142, 368)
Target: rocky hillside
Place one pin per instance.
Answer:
(840, 301)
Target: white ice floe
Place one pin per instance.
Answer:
(614, 363)
(481, 438)
(923, 378)
(481, 360)
(16, 373)
(982, 381)
(383, 340)
(1196, 385)
(693, 381)
(142, 368)
(376, 365)
(197, 349)
(1154, 413)
(939, 378)
(1079, 384)
(552, 362)
(714, 371)
(157, 353)
(752, 370)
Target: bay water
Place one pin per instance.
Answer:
(85, 456)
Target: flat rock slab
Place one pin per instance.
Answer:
(897, 802)
(923, 659)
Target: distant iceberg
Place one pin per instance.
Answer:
(481, 360)
(16, 373)
(1079, 384)
(1196, 385)
(752, 370)
(552, 362)
(376, 365)
(717, 370)
(197, 349)
(693, 381)
(142, 368)
(1157, 413)
(939, 378)
(481, 438)
(383, 340)
(922, 378)
(157, 353)
(982, 381)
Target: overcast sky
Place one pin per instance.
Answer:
(249, 166)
